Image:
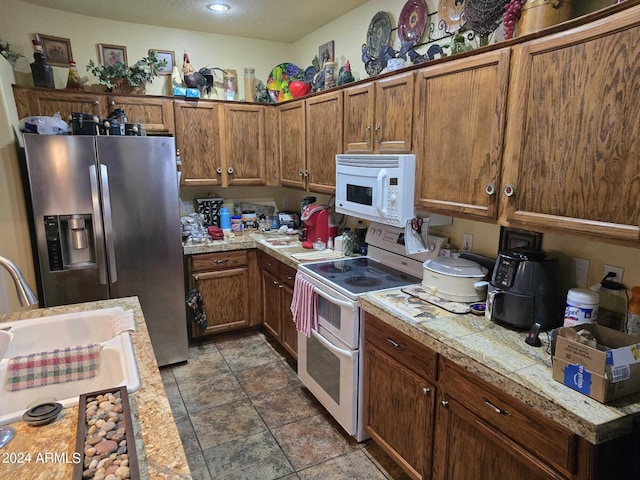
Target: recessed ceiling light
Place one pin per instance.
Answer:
(218, 7)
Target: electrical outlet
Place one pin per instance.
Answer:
(467, 242)
(580, 271)
(617, 270)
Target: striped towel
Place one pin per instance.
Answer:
(56, 366)
(303, 306)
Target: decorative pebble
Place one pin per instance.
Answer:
(106, 446)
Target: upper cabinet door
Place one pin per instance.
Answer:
(573, 144)
(324, 142)
(459, 124)
(46, 102)
(244, 145)
(292, 134)
(359, 102)
(198, 138)
(155, 113)
(393, 123)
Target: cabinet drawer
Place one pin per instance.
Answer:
(404, 349)
(536, 433)
(287, 275)
(218, 261)
(271, 265)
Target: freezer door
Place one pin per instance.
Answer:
(142, 235)
(66, 220)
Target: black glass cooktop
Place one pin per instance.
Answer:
(360, 274)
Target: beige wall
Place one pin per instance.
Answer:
(20, 19)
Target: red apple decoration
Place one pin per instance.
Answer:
(298, 88)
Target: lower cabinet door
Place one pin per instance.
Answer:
(467, 448)
(225, 294)
(289, 335)
(398, 412)
(271, 303)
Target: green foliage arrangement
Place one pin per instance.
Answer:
(140, 73)
(11, 56)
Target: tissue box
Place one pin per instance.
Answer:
(179, 91)
(609, 371)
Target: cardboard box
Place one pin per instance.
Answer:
(610, 370)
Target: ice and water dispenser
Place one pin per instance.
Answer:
(70, 241)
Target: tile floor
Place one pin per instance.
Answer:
(242, 413)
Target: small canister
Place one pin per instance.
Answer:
(236, 224)
(225, 219)
(581, 307)
(250, 220)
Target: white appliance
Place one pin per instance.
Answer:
(330, 360)
(379, 188)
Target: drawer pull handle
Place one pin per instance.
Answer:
(289, 277)
(426, 390)
(221, 261)
(395, 344)
(493, 407)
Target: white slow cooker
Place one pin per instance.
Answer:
(455, 279)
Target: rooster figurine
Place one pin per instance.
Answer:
(202, 79)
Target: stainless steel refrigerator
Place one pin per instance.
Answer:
(106, 224)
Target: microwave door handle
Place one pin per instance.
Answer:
(331, 346)
(378, 192)
(333, 300)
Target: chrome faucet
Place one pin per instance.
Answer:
(25, 294)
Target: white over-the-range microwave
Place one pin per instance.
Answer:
(376, 187)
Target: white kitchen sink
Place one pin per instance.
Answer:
(118, 366)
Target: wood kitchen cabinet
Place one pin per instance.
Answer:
(277, 293)
(244, 148)
(399, 394)
(324, 116)
(459, 119)
(481, 432)
(378, 115)
(292, 135)
(47, 101)
(230, 285)
(155, 113)
(573, 135)
(198, 138)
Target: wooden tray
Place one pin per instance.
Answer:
(81, 434)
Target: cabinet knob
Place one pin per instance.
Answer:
(275, 282)
(300, 172)
(113, 103)
(230, 170)
(509, 190)
(490, 189)
(445, 403)
(378, 139)
(280, 285)
(96, 102)
(219, 170)
(426, 390)
(306, 173)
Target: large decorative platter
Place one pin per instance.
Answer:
(278, 81)
(378, 34)
(451, 12)
(412, 21)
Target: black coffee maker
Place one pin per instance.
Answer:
(527, 287)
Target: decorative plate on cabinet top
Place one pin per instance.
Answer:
(279, 79)
(379, 33)
(451, 12)
(412, 21)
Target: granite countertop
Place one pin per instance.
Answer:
(158, 446)
(501, 357)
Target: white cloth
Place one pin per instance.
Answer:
(303, 306)
(123, 322)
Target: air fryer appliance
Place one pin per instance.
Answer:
(526, 288)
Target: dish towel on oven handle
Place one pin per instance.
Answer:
(303, 306)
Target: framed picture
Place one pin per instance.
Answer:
(56, 49)
(326, 53)
(111, 54)
(167, 55)
(514, 238)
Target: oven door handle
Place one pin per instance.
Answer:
(331, 346)
(333, 299)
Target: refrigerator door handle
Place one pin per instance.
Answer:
(108, 225)
(97, 225)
